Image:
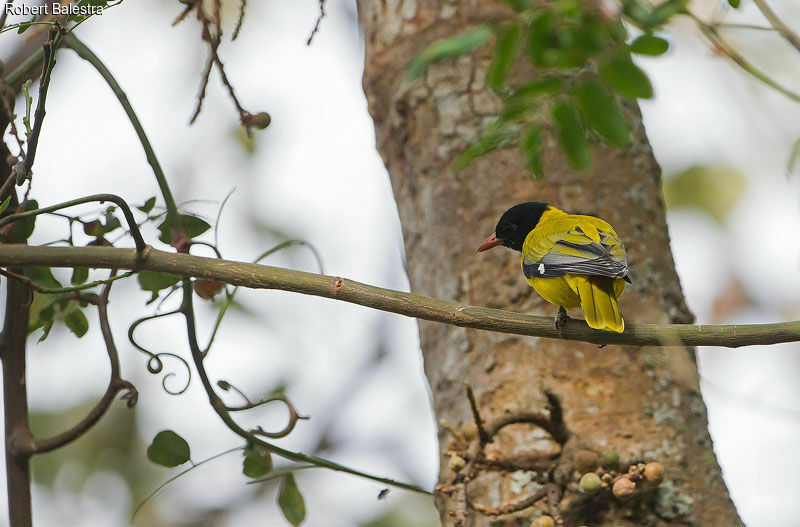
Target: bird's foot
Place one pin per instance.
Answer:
(561, 319)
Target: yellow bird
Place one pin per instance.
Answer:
(571, 260)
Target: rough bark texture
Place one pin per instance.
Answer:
(644, 403)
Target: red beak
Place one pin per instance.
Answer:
(491, 241)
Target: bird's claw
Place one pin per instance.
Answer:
(561, 319)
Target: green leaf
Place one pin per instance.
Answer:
(148, 205)
(42, 276)
(627, 78)
(88, 298)
(543, 86)
(4, 205)
(461, 44)
(581, 42)
(168, 449)
(522, 100)
(194, 227)
(23, 26)
(76, 321)
(93, 228)
(532, 150)
(538, 37)
(663, 12)
(505, 52)
(111, 221)
(46, 325)
(42, 315)
(155, 282)
(248, 142)
(22, 229)
(734, 3)
(492, 138)
(602, 113)
(617, 31)
(636, 11)
(649, 45)
(291, 501)
(257, 462)
(571, 135)
(79, 275)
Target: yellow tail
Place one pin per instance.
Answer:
(598, 301)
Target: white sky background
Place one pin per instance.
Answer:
(316, 176)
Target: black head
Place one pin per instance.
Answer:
(515, 224)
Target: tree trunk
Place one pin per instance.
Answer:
(643, 403)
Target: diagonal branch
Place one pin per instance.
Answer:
(223, 412)
(72, 42)
(49, 62)
(713, 35)
(417, 306)
(785, 31)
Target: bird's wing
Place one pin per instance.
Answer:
(581, 249)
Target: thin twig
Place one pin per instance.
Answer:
(4, 14)
(203, 86)
(514, 506)
(713, 35)
(318, 22)
(224, 76)
(115, 385)
(212, 33)
(188, 9)
(730, 25)
(240, 20)
(473, 405)
(72, 42)
(178, 475)
(230, 296)
(219, 215)
(62, 290)
(293, 416)
(785, 31)
(47, 70)
(121, 203)
(187, 309)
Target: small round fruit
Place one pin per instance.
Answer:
(653, 474)
(590, 483)
(207, 289)
(586, 461)
(610, 460)
(544, 521)
(623, 489)
(261, 120)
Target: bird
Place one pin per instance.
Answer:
(570, 260)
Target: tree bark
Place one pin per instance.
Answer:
(643, 403)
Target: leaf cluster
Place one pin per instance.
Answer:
(583, 74)
(170, 450)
